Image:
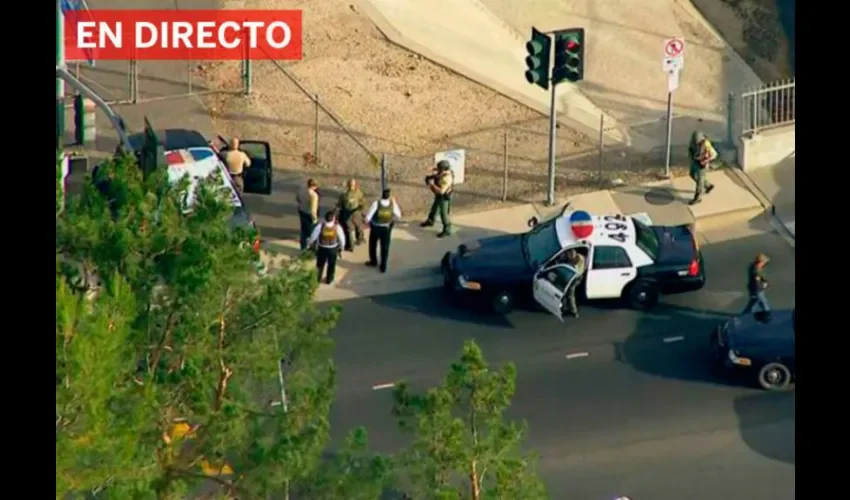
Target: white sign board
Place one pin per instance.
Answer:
(457, 159)
(673, 80)
(671, 64)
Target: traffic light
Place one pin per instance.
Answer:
(538, 60)
(569, 56)
(84, 115)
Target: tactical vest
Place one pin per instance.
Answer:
(352, 200)
(328, 237)
(384, 215)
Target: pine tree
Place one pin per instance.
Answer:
(168, 347)
(462, 445)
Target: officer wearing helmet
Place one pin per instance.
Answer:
(702, 154)
(440, 183)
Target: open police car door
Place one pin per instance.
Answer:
(550, 287)
(257, 177)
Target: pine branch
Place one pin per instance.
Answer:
(225, 371)
(166, 340)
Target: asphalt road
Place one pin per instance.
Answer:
(617, 402)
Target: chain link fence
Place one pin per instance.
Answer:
(504, 163)
(132, 82)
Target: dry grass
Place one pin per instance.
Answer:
(398, 103)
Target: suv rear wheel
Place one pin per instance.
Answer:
(642, 295)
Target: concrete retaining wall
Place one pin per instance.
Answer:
(766, 148)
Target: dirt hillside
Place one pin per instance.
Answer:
(395, 102)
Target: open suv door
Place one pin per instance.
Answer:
(257, 177)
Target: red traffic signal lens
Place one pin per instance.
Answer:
(572, 45)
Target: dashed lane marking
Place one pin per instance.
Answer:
(382, 386)
(669, 340)
(576, 355)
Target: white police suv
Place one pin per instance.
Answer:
(627, 258)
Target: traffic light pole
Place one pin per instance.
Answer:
(553, 127)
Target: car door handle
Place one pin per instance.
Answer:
(625, 274)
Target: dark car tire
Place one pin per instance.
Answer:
(502, 302)
(774, 377)
(642, 295)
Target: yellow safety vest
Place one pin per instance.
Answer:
(384, 215)
(328, 237)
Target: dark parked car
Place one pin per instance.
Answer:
(760, 345)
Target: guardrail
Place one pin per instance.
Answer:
(769, 106)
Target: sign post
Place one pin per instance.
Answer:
(672, 62)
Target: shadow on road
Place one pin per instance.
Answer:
(689, 363)
(766, 422)
(434, 303)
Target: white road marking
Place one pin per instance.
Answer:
(668, 340)
(382, 386)
(578, 355)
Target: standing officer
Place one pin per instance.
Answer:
(236, 161)
(702, 154)
(756, 285)
(330, 239)
(350, 206)
(307, 200)
(381, 217)
(440, 183)
(576, 260)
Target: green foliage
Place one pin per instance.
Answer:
(462, 445)
(168, 347)
(354, 473)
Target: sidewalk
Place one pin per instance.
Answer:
(416, 252)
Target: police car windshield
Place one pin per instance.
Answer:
(541, 243)
(646, 239)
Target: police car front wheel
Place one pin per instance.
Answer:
(643, 295)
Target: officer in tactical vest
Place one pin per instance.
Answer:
(440, 183)
(381, 217)
(350, 208)
(329, 240)
(702, 155)
(576, 260)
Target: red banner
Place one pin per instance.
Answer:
(184, 35)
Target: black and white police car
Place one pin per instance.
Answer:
(189, 154)
(627, 258)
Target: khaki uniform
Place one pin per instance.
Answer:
(580, 265)
(236, 162)
(702, 154)
(350, 207)
(308, 212)
(442, 202)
